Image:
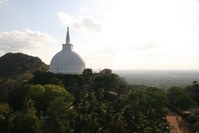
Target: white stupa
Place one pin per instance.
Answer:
(67, 61)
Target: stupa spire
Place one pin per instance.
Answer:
(67, 36)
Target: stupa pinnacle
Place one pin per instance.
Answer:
(67, 36)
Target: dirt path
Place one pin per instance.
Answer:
(179, 125)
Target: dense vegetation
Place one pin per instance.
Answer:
(90, 102)
(15, 64)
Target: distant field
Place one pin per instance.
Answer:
(160, 79)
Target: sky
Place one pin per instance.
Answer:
(114, 34)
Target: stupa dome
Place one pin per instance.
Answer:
(67, 61)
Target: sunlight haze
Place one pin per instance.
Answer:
(115, 34)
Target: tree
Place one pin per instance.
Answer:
(173, 92)
(122, 86)
(196, 126)
(106, 71)
(62, 112)
(36, 93)
(144, 110)
(154, 110)
(43, 95)
(106, 80)
(184, 102)
(193, 91)
(5, 112)
(42, 77)
(72, 80)
(25, 121)
(87, 72)
(195, 83)
(98, 82)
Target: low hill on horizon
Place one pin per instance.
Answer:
(14, 64)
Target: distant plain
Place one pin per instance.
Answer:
(162, 79)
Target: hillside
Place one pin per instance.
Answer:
(13, 64)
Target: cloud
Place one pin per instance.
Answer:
(2, 1)
(149, 45)
(20, 41)
(83, 23)
(85, 9)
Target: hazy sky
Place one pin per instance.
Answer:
(115, 34)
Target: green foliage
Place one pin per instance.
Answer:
(184, 102)
(16, 96)
(73, 80)
(144, 111)
(25, 120)
(43, 95)
(156, 98)
(13, 64)
(77, 103)
(196, 125)
(88, 72)
(106, 80)
(62, 111)
(193, 91)
(174, 92)
(182, 98)
(5, 112)
(93, 115)
(106, 71)
(122, 87)
(12, 91)
(192, 119)
(43, 78)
